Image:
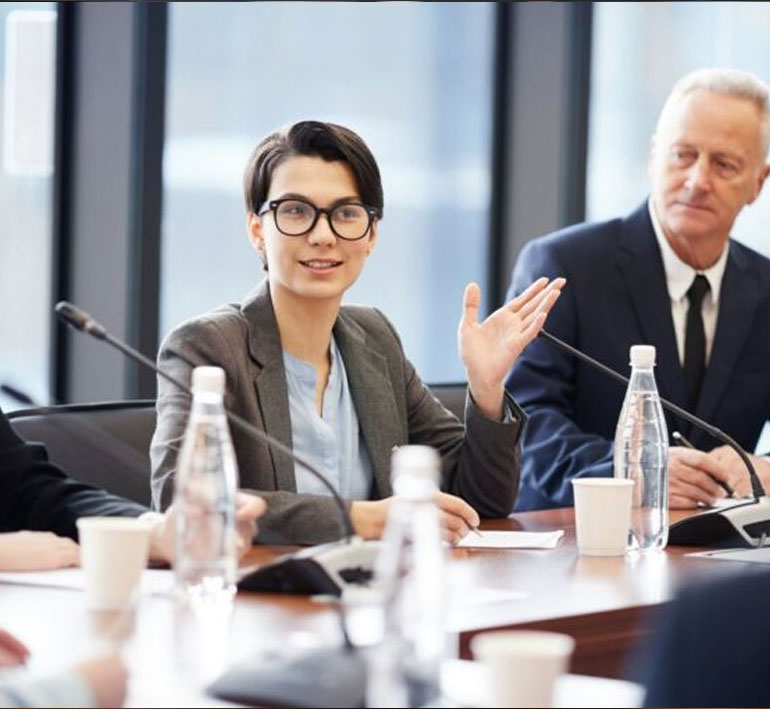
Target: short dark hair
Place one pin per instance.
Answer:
(312, 138)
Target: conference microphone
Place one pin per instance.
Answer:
(322, 569)
(745, 524)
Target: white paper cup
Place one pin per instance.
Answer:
(113, 554)
(602, 515)
(522, 665)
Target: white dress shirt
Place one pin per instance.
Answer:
(679, 278)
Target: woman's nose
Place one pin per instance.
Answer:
(322, 233)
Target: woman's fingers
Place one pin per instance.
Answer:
(528, 301)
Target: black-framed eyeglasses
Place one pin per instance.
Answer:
(295, 217)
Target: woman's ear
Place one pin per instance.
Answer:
(372, 238)
(254, 228)
(256, 237)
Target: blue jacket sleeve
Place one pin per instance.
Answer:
(554, 448)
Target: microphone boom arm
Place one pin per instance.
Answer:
(757, 488)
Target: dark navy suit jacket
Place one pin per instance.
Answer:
(615, 297)
(712, 651)
(35, 494)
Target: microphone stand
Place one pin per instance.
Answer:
(747, 524)
(325, 568)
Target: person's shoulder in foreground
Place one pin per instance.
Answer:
(711, 648)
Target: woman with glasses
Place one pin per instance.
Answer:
(332, 381)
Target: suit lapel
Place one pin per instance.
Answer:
(738, 301)
(372, 391)
(270, 380)
(640, 262)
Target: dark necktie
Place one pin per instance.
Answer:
(695, 341)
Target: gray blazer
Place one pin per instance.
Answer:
(480, 460)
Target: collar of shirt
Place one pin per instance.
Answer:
(680, 275)
(305, 372)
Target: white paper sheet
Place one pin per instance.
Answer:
(511, 540)
(153, 580)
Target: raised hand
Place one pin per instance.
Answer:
(490, 348)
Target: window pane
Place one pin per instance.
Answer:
(413, 79)
(640, 50)
(27, 68)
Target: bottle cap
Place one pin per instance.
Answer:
(643, 356)
(208, 380)
(417, 462)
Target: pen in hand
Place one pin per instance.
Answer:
(679, 438)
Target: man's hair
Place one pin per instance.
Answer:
(729, 82)
(316, 139)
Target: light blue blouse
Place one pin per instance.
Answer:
(333, 441)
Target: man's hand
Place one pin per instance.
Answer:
(248, 508)
(692, 478)
(36, 551)
(727, 459)
(456, 517)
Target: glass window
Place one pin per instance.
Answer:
(640, 50)
(27, 70)
(413, 79)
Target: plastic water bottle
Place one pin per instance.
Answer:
(206, 558)
(641, 452)
(409, 574)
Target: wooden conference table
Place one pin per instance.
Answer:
(606, 604)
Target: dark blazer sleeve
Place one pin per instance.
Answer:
(37, 495)
(481, 460)
(554, 449)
